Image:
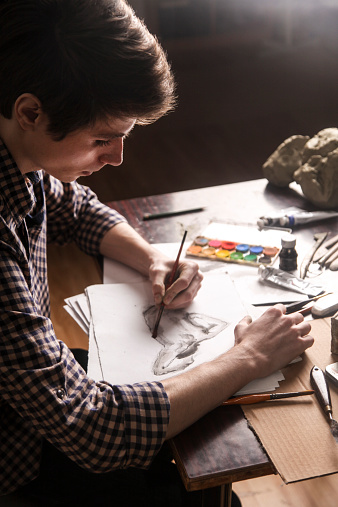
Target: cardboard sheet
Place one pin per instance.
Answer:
(295, 432)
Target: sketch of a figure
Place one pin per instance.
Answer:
(180, 333)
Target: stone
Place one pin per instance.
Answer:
(318, 178)
(311, 162)
(285, 160)
(323, 143)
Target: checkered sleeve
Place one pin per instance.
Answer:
(74, 213)
(99, 426)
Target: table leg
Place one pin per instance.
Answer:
(217, 497)
(227, 494)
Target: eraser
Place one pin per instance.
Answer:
(325, 305)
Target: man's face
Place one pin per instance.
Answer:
(80, 153)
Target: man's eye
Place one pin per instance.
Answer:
(101, 142)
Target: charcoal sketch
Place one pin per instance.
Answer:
(180, 332)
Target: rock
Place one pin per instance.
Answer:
(318, 178)
(285, 160)
(311, 162)
(321, 144)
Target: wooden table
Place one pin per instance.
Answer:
(220, 448)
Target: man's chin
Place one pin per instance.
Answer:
(86, 173)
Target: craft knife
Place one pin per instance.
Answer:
(321, 388)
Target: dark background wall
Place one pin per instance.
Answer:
(250, 73)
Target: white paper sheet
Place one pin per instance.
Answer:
(260, 385)
(75, 315)
(79, 305)
(123, 351)
(246, 278)
(244, 234)
(123, 317)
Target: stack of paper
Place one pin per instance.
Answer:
(119, 318)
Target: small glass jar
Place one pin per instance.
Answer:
(288, 255)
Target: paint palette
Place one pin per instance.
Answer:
(231, 251)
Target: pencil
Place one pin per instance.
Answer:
(170, 281)
(257, 398)
(167, 214)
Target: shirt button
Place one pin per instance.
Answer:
(60, 393)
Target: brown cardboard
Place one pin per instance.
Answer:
(295, 432)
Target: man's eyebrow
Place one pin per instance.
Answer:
(108, 134)
(111, 135)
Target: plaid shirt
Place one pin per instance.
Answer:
(44, 393)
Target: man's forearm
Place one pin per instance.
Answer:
(261, 347)
(196, 392)
(124, 244)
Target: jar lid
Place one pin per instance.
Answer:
(288, 241)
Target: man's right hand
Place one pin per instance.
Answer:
(274, 339)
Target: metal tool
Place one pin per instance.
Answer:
(330, 256)
(321, 388)
(334, 265)
(319, 240)
(324, 248)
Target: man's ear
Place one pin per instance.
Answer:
(28, 111)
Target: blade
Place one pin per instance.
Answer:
(334, 429)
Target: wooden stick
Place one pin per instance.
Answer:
(170, 282)
(257, 398)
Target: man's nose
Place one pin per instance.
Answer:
(113, 154)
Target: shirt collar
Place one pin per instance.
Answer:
(16, 189)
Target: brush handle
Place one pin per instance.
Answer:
(248, 399)
(319, 384)
(175, 266)
(167, 285)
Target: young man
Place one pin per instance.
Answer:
(75, 77)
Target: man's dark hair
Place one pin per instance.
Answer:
(85, 60)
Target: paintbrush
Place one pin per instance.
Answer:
(299, 305)
(167, 285)
(318, 382)
(257, 398)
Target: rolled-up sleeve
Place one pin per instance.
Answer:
(74, 213)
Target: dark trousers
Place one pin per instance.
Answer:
(62, 483)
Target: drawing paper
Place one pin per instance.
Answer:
(122, 349)
(123, 316)
(246, 278)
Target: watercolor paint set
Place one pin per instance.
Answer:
(232, 251)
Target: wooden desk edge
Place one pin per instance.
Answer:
(214, 480)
